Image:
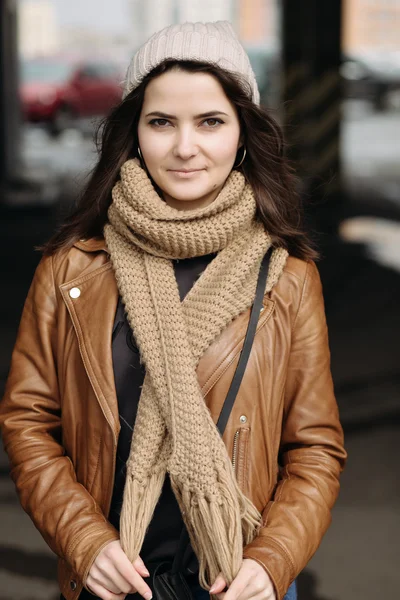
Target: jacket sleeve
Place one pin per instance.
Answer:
(311, 451)
(63, 511)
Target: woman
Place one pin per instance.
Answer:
(146, 292)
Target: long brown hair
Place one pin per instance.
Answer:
(265, 167)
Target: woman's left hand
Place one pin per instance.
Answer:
(252, 581)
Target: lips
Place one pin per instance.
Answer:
(185, 173)
(185, 170)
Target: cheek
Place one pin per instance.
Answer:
(151, 145)
(224, 148)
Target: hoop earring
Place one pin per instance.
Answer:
(241, 162)
(140, 154)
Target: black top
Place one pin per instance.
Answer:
(165, 528)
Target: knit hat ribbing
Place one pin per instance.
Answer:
(214, 43)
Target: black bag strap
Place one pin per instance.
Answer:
(235, 385)
(247, 345)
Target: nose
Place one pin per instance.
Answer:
(185, 144)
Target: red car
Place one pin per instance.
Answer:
(57, 92)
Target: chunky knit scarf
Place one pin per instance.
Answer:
(174, 431)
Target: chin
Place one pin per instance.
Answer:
(188, 197)
(190, 194)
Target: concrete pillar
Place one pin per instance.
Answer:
(10, 115)
(312, 97)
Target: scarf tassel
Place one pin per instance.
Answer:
(140, 499)
(218, 527)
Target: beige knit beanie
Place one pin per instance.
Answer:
(214, 43)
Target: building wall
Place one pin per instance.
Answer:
(149, 17)
(38, 33)
(257, 21)
(252, 19)
(206, 10)
(371, 25)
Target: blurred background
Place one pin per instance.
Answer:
(330, 73)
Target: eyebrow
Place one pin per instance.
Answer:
(211, 113)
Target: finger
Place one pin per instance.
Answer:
(132, 576)
(103, 593)
(219, 585)
(139, 584)
(141, 567)
(264, 595)
(253, 591)
(238, 587)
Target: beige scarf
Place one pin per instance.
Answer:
(174, 431)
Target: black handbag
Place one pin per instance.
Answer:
(167, 581)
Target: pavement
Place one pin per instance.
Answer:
(358, 557)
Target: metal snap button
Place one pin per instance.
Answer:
(243, 419)
(73, 585)
(74, 292)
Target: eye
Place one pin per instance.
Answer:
(159, 123)
(212, 123)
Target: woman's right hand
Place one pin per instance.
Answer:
(112, 576)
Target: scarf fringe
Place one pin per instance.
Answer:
(218, 526)
(138, 506)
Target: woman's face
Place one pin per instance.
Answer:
(189, 134)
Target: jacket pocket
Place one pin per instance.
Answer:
(240, 456)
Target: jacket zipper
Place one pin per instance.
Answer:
(235, 449)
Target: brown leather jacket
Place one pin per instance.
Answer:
(60, 424)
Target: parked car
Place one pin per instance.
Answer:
(370, 78)
(57, 91)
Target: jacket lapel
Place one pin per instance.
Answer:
(224, 352)
(92, 300)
